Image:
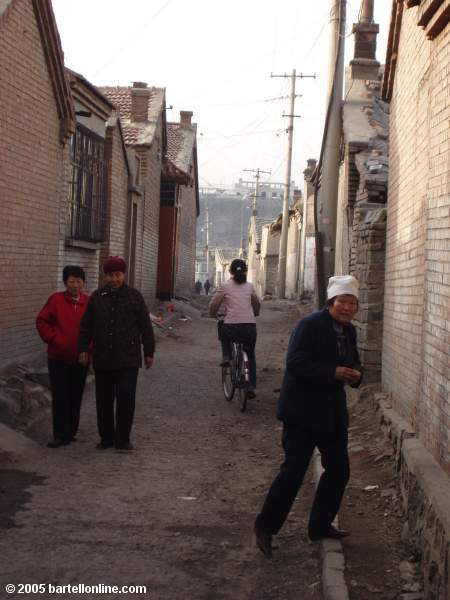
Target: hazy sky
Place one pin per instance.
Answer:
(215, 58)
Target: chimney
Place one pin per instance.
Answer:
(364, 64)
(185, 119)
(308, 173)
(139, 102)
(311, 162)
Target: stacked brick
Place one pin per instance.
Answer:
(368, 254)
(367, 229)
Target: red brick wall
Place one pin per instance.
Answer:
(31, 183)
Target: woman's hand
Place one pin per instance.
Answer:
(83, 358)
(347, 375)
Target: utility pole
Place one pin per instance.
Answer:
(256, 195)
(328, 192)
(287, 184)
(207, 241)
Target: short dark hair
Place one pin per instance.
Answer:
(73, 271)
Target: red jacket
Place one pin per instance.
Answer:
(58, 324)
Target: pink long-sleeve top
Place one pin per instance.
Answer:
(237, 298)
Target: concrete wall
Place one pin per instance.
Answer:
(187, 224)
(31, 183)
(267, 276)
(310, 265)
(416, 343)
(292, 258)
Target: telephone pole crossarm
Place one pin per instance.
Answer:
(257, 175)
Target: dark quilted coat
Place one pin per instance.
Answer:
(117, 323)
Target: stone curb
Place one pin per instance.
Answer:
(332, 555)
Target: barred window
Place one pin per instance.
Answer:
(87, 198)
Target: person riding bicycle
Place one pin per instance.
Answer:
(241, 307)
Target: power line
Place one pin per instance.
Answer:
(132, 39)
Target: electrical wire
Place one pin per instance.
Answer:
(131, 40)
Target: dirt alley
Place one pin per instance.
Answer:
(176, 515)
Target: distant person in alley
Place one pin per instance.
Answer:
(58, 324)
(207, 287)
(198, 287)
(117, 324)
(322, 357)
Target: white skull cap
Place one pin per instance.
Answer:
(342, 284)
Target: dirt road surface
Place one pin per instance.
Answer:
(176, 515)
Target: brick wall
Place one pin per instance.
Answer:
(416, 343)
(187, 225)
(148, 219)
(118, 200)
(31, 183)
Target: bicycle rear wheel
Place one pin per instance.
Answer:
(228, 383)
(244, 381)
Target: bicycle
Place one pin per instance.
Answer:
(236, 375)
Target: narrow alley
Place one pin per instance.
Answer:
(176, 515)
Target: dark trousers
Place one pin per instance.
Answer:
(298, 446)
(67, 385)
(243, 333)
(119, 386)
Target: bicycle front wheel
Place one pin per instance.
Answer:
(228, 383)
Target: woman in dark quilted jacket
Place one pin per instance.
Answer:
(117, 324)
(58, 324)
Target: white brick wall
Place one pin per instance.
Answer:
(416, 337)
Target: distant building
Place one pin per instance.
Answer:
(230, 210)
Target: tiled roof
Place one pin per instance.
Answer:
(134, 132)
(180, 145)
(258, 223)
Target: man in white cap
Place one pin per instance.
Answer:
(322, 357)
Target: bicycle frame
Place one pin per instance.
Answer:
(240, 375)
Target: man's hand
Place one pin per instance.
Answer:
(347, 375)
(148, 361)
(83, 358)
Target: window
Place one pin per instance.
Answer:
(87, 198)
(138, 170)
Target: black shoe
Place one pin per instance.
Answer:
(103, 446)
(332, 532)
(225, 363)
(124, 447)
(251, 394)
(56, 443)
(263, 541)
(336, 533)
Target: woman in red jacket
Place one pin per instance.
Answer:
(58, 324)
